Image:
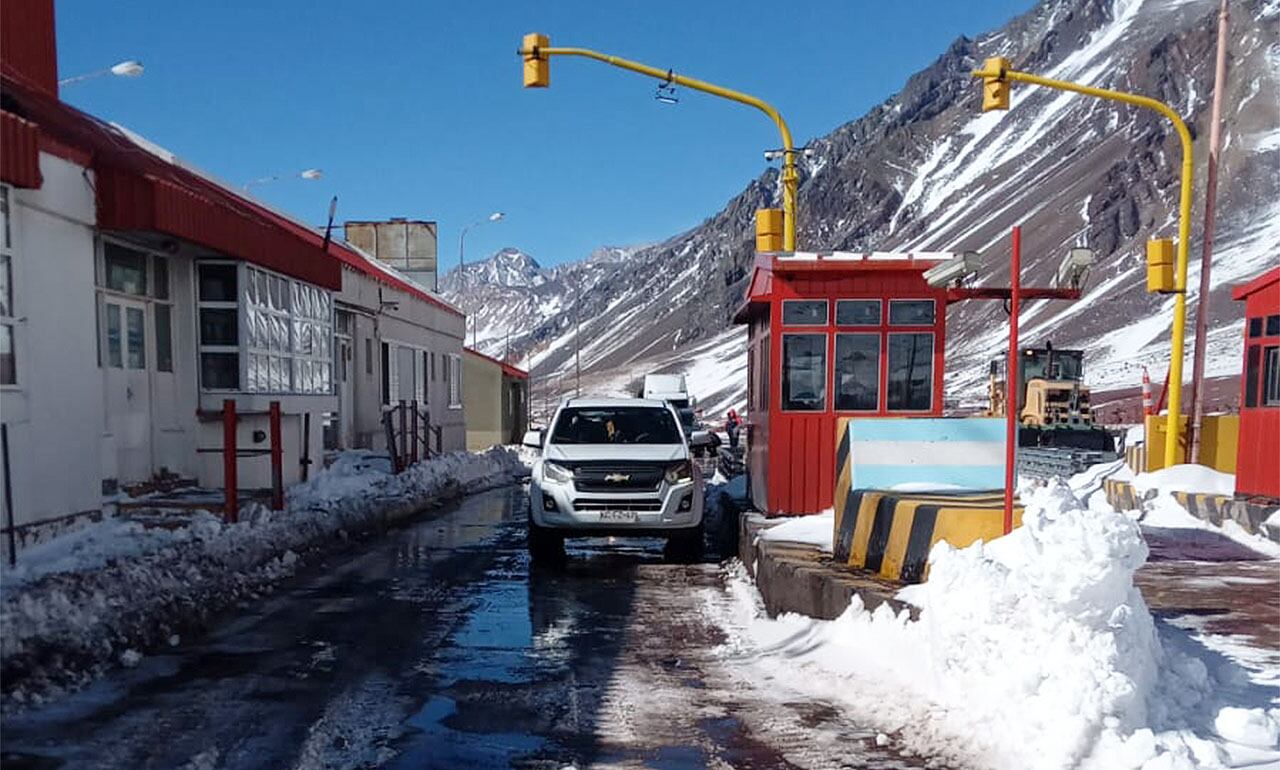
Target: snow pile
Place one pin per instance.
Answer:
(75, 604)
(1186, 478)
(1032, 652)
(817, 529)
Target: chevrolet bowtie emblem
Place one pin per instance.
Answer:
(618, 478)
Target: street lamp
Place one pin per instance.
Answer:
(310, 174)
(536, 52)
(1162, 276)
(125, 69)
(496, 216)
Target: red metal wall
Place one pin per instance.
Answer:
(1258, 458)
(800, 472)
(19, 151)
(28, 48)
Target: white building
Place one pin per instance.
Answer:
(138, 295)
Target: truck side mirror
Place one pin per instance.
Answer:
(533, 439)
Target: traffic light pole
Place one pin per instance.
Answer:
(790, 177)
(1173, 427)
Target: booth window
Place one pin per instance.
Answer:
(857, 372)
(858, 312)
(911, 312)
(804, 312)
(1273, 325)
(910, 386)
(1271, 376)
(1253, 365)
(804, 372)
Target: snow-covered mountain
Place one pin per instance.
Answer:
(926, 169)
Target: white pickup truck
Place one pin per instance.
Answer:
(613, 467)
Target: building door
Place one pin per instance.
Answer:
(127, 371)
(346, 393)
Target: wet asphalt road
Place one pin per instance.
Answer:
(435, 645)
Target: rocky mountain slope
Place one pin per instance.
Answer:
(927, 169)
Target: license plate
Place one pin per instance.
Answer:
(626, 516)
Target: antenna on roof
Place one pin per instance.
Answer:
(328, 228)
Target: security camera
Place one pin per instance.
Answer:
(1075, 266)
(808, 152)
(952, 270)
(772, 154)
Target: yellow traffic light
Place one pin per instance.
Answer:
(537, 68)
(995, 86)
(1160, 265)
(769, 230)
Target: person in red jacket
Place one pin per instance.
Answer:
(731, 425)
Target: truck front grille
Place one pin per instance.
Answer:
(619, 504)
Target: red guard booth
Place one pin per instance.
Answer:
(833, 335)
(1258, 458)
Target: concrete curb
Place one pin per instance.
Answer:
(1215, 509)
(800, 578)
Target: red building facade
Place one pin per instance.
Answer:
(830, 336)
(1258, 459)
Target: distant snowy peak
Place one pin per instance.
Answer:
(512, 267)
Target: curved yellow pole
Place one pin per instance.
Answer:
(790, 178)
(1173, 426)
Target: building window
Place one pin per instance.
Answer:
(804, 372)
(804, 312)
(1255, 327)
(8, 356)
(276, 331)
(135, 337)
(910, 382)
(453, 372)
(1273, 325)
(857, 372)
(124, 269)
(911, 312)
(1271, 376)
(858, 312)
(765, 368)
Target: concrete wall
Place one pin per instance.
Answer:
(483, 399)
(385, 314)
(55, 412)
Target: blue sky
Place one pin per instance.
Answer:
(415, 109)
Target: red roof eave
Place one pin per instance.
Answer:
(506, 367)
(1257, 284)
(19, 151)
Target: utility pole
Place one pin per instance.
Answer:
(577, 337)
(1206, 253)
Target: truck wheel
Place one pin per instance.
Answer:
(545, 545)
(686, 546)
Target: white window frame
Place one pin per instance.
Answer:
(455, 381)
(8, 237)
(105, 294)
(290, 356)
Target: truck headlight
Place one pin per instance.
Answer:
(680, 472)
(556, 472)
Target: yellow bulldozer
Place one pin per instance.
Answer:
(1053, 401)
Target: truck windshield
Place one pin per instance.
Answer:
(615, 425)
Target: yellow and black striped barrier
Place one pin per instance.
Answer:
(1121, 495)
(891, 533)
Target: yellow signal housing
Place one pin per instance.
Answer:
(537, 68)
(768, 230)
(995, 89)
(1160, 257)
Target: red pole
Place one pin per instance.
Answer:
(277, 458)
(1011, 382)
(231, 494)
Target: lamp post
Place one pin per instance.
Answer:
(537, 52)
(125, 69)
(996, 74)
(496, 216)
(309, 174)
